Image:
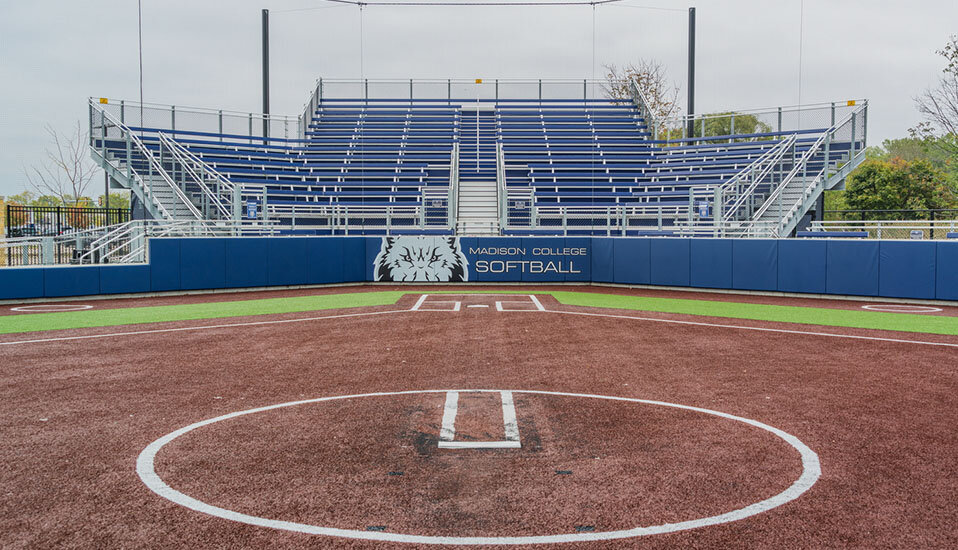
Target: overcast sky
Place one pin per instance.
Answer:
(53, 55)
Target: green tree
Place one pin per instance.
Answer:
(730, 123)
(24, 198)
(117, 200)
(898, 184)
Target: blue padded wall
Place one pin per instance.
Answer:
(121, 279)
(670, 261)
(946, 284)
(354, 260)
(632, 261)
(202, 263)
(21, 282)
(754, 264)
(602, 262)
(246, 262)
(710, 263)
(324, 261)
(494, 265)
(851, 267)
(907, 269)
(71, 281)
(539, 243)
(164, 264)
(287, 261)
(801, 266)
(582, 264)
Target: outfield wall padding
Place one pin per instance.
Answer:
(894, 269)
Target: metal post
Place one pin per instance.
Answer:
(780, 119)
(265, 20)
(691, 107)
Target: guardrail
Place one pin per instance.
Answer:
(117, 244)
(892, 229)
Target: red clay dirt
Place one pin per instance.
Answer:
(75, 414)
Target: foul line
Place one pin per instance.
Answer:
(201, 327)
(761, 329)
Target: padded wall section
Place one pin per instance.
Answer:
(602, 262)
(631, 261)
(354, 260)
(164, 264)
(71, 281)
(548, 267)
(246, 262)
(670, 262)
(851, 267)
(324, 261)
(754, 264)
(491, 262)
(202, 263)
(801, 266)
(122, 279)
(907, 269)
(946, 285)
(581, 266)
(287, 261)
(710, 263)
(21, 282)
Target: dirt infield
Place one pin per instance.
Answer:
(879, 413)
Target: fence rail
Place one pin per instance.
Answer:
(892, 229)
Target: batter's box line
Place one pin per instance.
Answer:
(533, 300)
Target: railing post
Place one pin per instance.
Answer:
(221, 124)
(780, 120)
(854, 126)
(172, 120)
(833, 115)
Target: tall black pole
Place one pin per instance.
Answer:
(265, 73)
(691, 109)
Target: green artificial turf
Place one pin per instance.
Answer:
(905, 322)
(190, 312)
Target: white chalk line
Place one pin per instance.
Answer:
(901, 308)
(447, 434)
(811, 472)
(422, 299)
(200, 327)
(51, 308)
(760, 329)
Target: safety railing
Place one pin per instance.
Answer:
(117, 244)
(220, 198)
(127, 163)
(502, 193)
(804, 182)
(752, 124)
(225, 125)
(358, 219)
(454, 184)
(891, 229)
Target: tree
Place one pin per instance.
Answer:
(939, 105)
(729, 123)
(68, 172)
(897, 184)
(117, 200)
(651, 79)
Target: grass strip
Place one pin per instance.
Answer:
(903, 322)
(36, 322)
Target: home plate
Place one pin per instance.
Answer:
(477, 305)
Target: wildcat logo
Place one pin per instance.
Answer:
(421, 259)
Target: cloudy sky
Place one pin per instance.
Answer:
(53, 55)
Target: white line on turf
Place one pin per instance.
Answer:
(448, 430)
(51, 308)
(811, 472)
(419, 302)
(760, 329)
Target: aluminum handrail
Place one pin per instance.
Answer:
(761, 166)
(188, 160)
(501, 192)
(802, 164)
(131, 138)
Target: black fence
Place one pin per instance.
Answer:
(50, 221)
(59, 222)
(891, 215)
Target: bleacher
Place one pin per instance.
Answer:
(394, 165)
